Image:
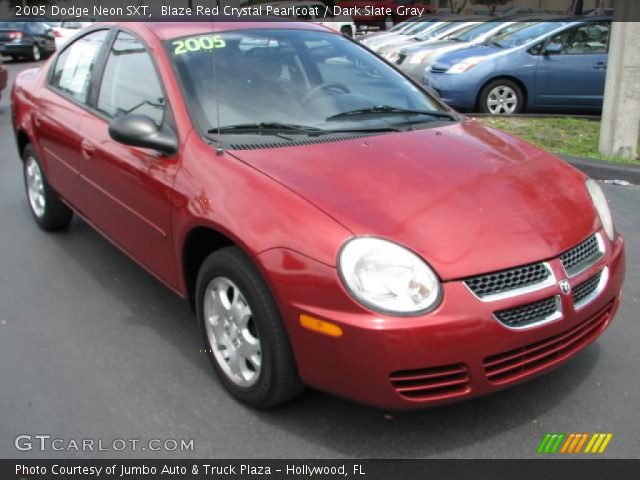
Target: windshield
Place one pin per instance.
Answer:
(419, 27)
(471, 33)
(445, 27)
(524, 36)
(12, 25)
(293, 77)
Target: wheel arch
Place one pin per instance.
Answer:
(512, 78)
(22, 140)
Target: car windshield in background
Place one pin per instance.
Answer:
(471, 33)
(11, 25)
(445, 27)
(297, 81)
(524, 36)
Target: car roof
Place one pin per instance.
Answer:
(169, 30)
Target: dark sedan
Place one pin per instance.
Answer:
(32, 40)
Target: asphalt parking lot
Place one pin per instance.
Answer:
(92, 347)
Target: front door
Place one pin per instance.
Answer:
(575, 76)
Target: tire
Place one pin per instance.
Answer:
(49, 212)
(501, 97)
(229, 274)
(346, 31)
(36, 53)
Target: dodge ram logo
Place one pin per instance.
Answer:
(565, 287)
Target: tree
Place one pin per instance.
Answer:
(491, 4)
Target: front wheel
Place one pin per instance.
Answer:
(501, 97)
(49, 212)
(244, 335)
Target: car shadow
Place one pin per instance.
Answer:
(338, 425)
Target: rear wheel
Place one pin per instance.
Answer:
(36, 53)
(244, 335)
(501, 97)
(49, 212)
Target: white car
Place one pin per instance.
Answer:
(63, 31)
(391, 51)
(386, 38)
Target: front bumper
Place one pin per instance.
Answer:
(457, 90)
(456, 352)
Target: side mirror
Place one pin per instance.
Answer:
(553, 49)
(140, 131)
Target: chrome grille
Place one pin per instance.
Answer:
(583, 256)
(503, 281)
(530, 314)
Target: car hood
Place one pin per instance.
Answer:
(465, 197)
(447, 60)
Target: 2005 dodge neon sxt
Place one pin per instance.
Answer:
(332, 224)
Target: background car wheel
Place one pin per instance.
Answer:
(36, 53)
(243, 332)
(48, 210)
(346, 30)
(501, 97)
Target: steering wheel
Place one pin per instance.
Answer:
(322, 88)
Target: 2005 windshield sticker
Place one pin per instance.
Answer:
(197, 44)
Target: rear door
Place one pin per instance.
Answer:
(128, 188)
(59, 110)
(576, 76)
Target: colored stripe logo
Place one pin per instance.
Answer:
(573, 443)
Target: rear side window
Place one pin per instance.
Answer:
(72, 72)
(130, 83)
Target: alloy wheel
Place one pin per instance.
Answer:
(232, 332)
(502, 100)
(35, 187)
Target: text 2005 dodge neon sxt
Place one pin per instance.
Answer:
(333, 224)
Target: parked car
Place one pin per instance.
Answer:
(387, 37)
(397, 28)
(412, 59)
(4, 77)
(391, 50)
(32, 40)
(64, 30)
(385, 13)
(331, 223)
(550, 65)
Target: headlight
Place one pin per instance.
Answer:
(602, 207)
(465, 65)
(387, 277)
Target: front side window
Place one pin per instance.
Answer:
(74, 67)
(300, 77)
(587, 39)
(130, 83)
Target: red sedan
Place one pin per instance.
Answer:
(331, 223)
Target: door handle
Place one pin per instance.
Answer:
(600, 66)
(88, 150)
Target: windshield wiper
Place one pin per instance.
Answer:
(266, 126)
(386, 110)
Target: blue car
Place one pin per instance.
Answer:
(547, 65)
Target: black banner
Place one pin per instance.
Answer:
(321, 469)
